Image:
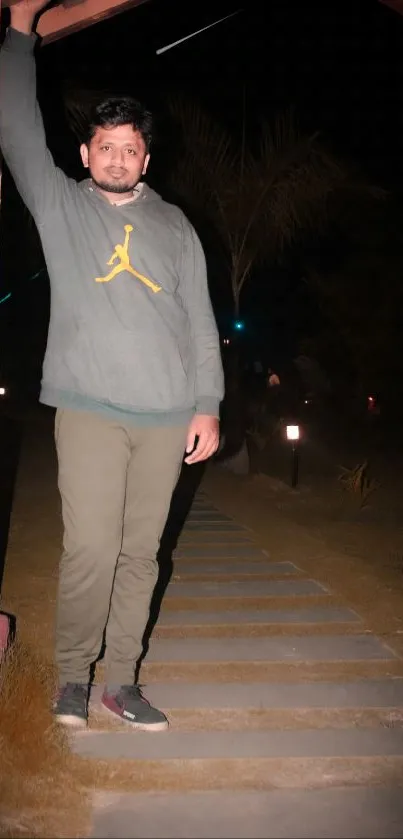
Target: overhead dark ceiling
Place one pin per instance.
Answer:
(396, 5)
(64, 17)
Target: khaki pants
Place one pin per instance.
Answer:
(116, 483)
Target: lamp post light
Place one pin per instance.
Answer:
(293, 435)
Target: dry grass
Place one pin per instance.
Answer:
(357, 482)
(41, 785)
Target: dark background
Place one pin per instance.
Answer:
(337, 63)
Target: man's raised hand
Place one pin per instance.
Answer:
(23, 14)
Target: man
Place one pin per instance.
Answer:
(132, 365)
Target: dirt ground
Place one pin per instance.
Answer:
(373, 530)
(357, 552)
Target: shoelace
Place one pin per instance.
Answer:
(134, 692)
(74, 690)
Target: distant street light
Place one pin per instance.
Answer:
(293, 435)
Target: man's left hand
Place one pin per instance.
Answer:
(206, 428)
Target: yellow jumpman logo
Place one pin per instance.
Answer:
(121, 252)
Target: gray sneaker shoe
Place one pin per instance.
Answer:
(129, 705)
(71, 705)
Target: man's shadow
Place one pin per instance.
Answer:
(182, 500)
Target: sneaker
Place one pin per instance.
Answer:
(71, 705)
(129, 705)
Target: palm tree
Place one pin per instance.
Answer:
(77, 104)
(259, 203)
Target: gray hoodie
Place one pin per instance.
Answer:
(132, 333)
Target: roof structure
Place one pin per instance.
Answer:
(64, 17)
(396, 5)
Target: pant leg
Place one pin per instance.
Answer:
(153, 471)
(93, 455)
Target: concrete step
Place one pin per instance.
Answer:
(215, 537)
(203, 509)
(316, 615)
(247, 773)
(338, 813)
(245, 589)
(224, 551)
(276, 671)
(265, 719)
(202, 502)
(281, 649)
(254, 602)
(260, 719)
(253, 630)
(365, 693)
(365, 704)
(215, 527)
(238, 745)
(232, 569)
(207, 516)
(249, 623)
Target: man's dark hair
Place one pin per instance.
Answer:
(121, 110)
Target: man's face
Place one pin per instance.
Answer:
(116, 158)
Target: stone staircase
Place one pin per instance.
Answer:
(286, 711)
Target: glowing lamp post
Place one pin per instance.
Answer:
(293, 436)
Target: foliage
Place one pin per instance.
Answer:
(259, 200)
(358, 483)
(78, 103)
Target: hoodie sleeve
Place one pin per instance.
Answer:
(196, 299)
(22, 134)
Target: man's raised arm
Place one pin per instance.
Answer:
(22, 134)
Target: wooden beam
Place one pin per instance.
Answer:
(71, 16)
(67, 16)
(396, 5)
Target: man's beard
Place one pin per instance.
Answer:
(115, 187)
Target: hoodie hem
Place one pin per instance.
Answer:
(69, 400)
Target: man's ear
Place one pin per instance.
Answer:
(146, 162)
(84, 154)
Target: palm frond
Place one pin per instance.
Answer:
(258, 202)
(78, 103)
(208, 168)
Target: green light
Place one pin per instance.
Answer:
(33, 277)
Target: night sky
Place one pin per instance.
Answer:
(338, 63)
